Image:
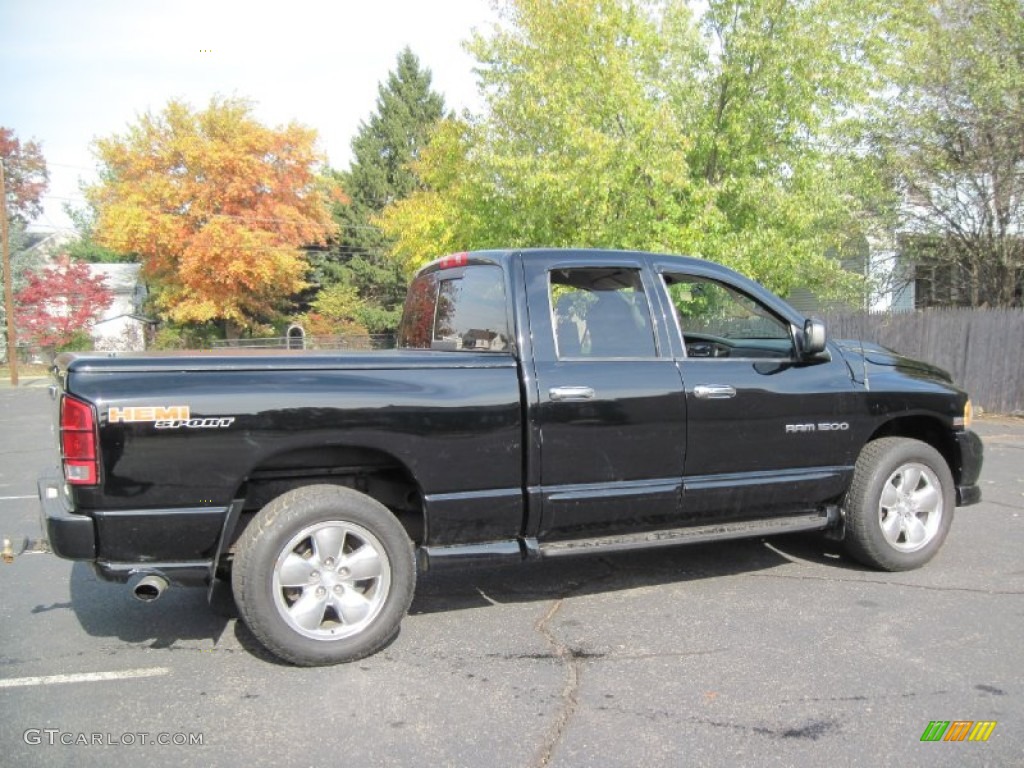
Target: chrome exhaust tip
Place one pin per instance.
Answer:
(149, 588)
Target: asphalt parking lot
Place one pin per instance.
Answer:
(761, 653)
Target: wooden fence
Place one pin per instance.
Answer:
(982, 348)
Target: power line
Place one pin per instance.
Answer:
(125, 248)
(262, 219)
(340, 250)
(51, 164)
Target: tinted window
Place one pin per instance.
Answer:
(456, 310)
(601, 312)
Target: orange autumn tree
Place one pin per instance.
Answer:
(216, 206)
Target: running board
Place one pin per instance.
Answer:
(811, 521)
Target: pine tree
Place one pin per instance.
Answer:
(406, 112)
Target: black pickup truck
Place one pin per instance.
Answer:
(541, 403)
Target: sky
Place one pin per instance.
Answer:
(73, 71)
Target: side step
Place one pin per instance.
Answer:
(811, 521)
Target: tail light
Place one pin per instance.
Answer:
(78, 442)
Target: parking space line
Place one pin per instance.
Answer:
(84, 677)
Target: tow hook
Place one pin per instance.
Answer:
(24, 546)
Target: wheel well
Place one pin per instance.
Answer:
(375, 473)
(927, 430)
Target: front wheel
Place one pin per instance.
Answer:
(900, 505)
(323, 575)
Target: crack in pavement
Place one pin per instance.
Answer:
(570, 691)
(873, 697)
(581, 655)
(573, 659)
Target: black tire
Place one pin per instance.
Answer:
(889, 525)
(284, 572)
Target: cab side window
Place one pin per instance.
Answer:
(717, 320)
(457, 310)
(601, 312)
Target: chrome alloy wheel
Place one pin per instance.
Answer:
(910, 507)
(331, 580)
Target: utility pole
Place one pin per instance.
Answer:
(12, 334)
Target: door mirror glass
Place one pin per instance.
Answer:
(814, 337)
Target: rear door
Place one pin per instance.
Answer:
(611, 414)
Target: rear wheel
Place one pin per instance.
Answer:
(900, 505)
(323, 575)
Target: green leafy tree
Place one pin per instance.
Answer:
(407, 111)
(578, 144)
(338, 310)
(780, 131)
(85, 247)
(729, 135)
(953, 142)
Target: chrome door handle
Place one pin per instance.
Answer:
(571, 393)
(714, 391)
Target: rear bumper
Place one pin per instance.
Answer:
(972, 454)
(71, 536)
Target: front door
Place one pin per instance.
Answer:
(768, 432)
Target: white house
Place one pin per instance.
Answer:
(890, 280)
(122, 327)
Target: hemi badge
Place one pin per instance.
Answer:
(149, 413)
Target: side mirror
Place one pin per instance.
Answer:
(814, 337)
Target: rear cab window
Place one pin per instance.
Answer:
(457, 310)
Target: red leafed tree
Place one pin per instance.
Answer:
(59, 302)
